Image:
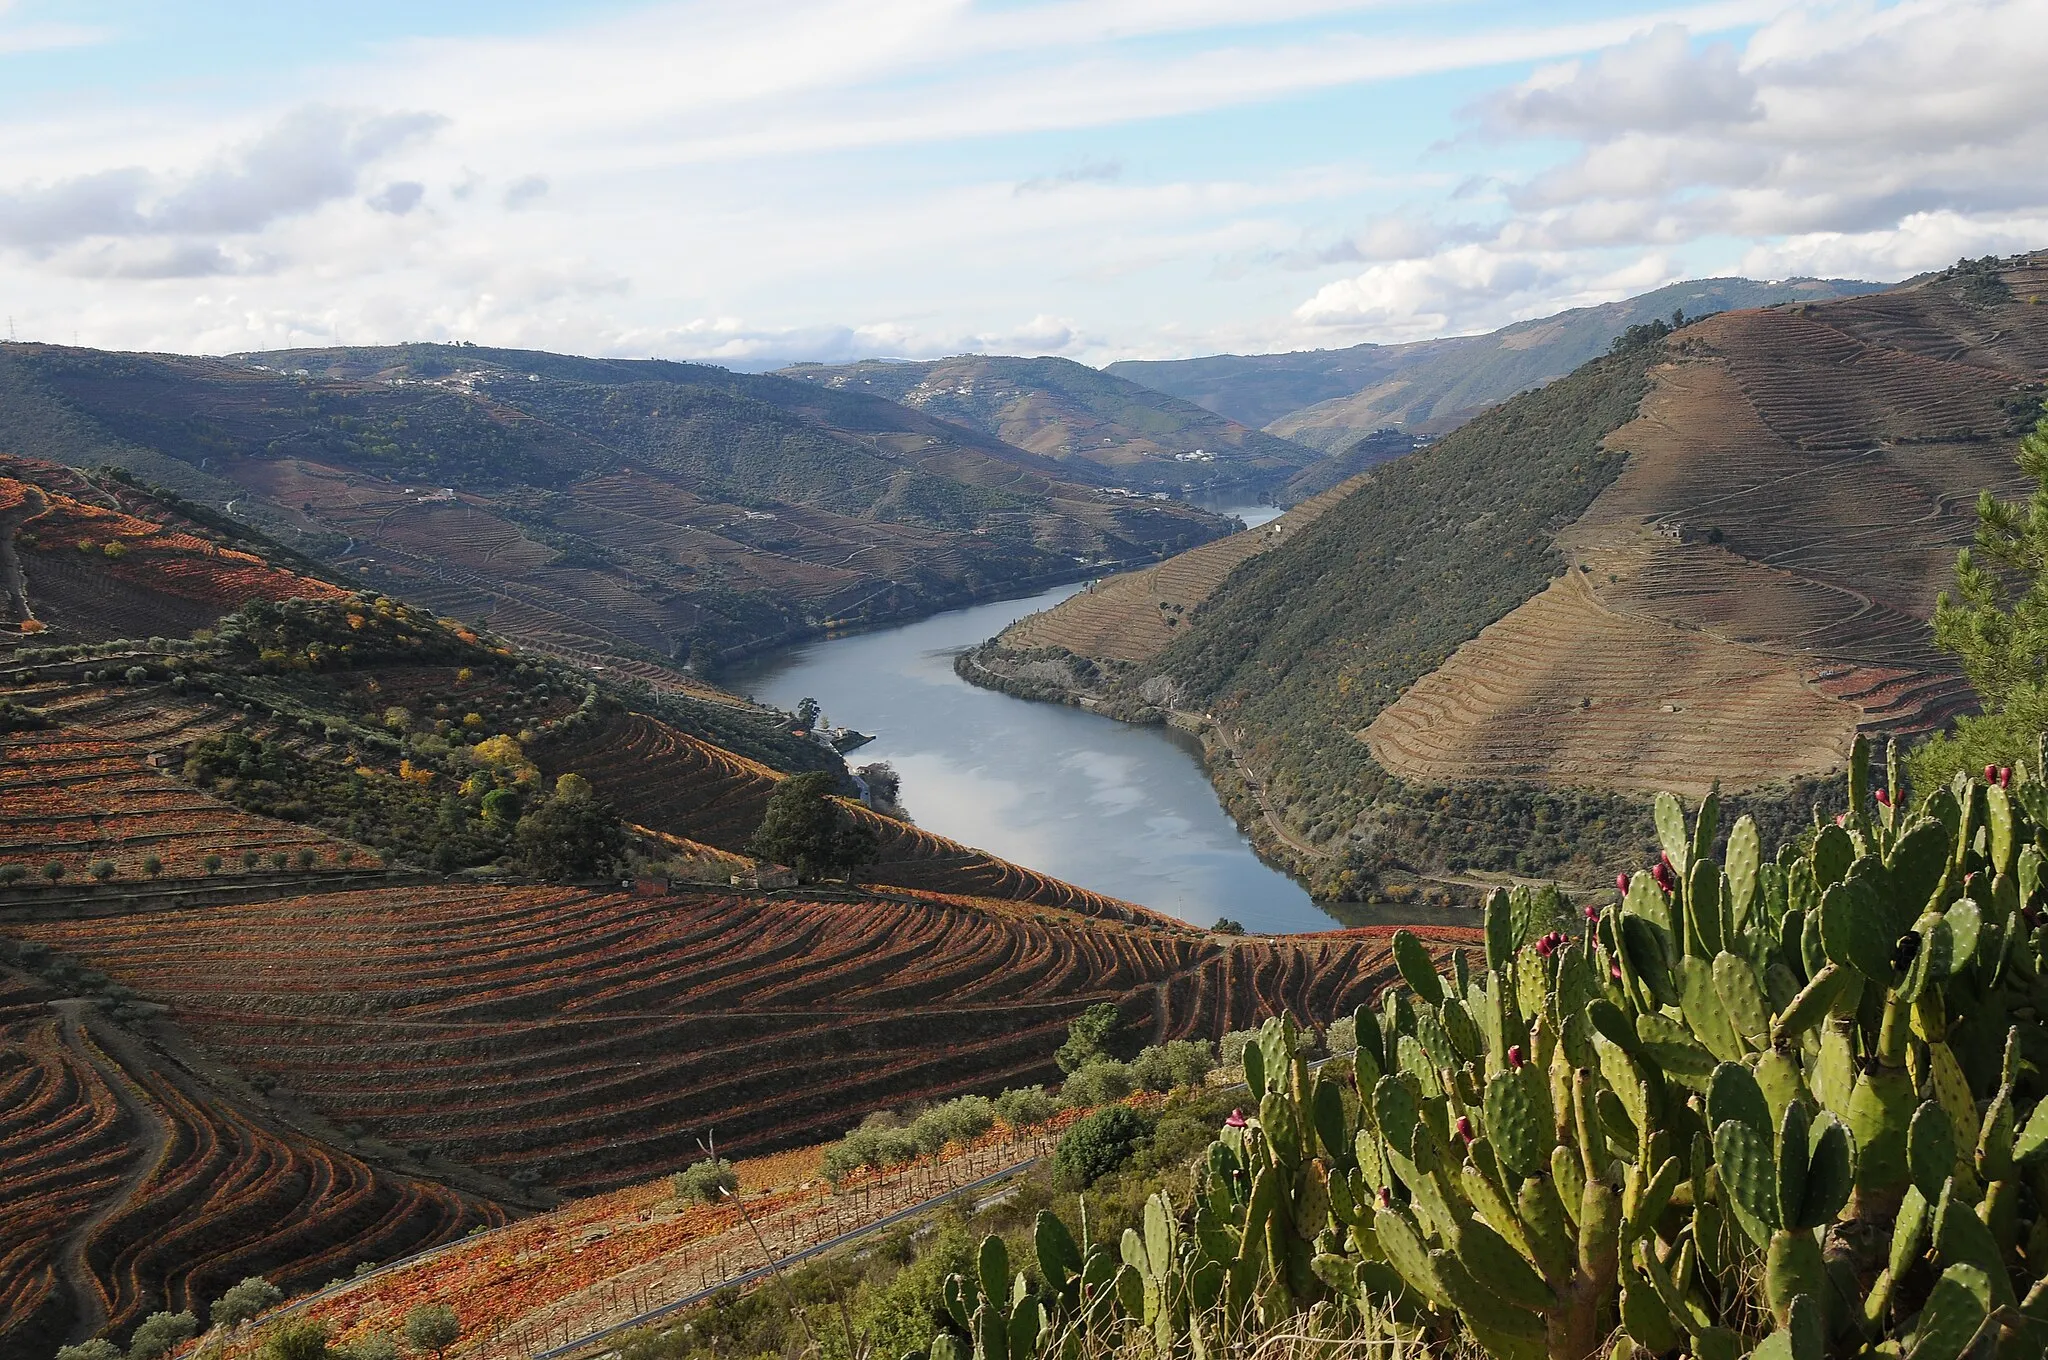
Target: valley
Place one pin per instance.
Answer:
(294, 981)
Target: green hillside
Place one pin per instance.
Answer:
(1080, 416)
(1328, 398)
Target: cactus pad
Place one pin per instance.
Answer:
(1742, 1158)
(1417, 969)
(1520, 1122)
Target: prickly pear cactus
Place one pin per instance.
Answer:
(1781, 1105)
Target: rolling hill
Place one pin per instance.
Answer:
(1079, 416)
(1706, 556)
(623, 513)
(1329, 398)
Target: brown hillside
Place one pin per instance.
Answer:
(85, 560)
(1755, 585)
(134, 1185)
(1132, 617)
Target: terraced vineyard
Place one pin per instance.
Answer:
(73, 797)
(589, 1038)
(672, 782)
(92, 570)
(132, 1187)
(1756, 582)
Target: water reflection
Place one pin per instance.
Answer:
(1122, 810)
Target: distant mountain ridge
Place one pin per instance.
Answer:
(1080, 417)
(625, 513)
(1328, 398)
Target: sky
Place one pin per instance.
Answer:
(756, 182)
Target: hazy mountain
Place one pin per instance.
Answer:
(1077, 415)
(1327, 398)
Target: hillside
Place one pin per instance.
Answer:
(1707, 556)
(1329, 398)
(1078, 416)
(622, 513)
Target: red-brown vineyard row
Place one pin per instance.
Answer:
(73, 797)
(670, 781)
(127, 1191)
(590, 1039)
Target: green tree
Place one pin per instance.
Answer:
(501, 809)
(1088, 1037)
(1998, 629)
(95, 1349)
(153, 865)
(161, 1333)
(1097, 1145)
(245, 1300)
(432, 1327)
(809, 830)
(571, 834)
(54, 870)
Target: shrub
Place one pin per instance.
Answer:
(1233, 1046)
(278, 859)
(54, 870)
(1099, 1083)
(375, 1346)
(103, 869)
(706, 1182)
(1180, 1062)
(249, 859)
(308, 857)
(1097, 1145)
(956, 1121)
(1343, 1035)
(1025, 1107)
(212, 863)
(432, 1327)
(244, 1301)
(296, 1340)
(153, 865)
(12, 873)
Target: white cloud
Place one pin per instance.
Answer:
(311, 156)
(1839, 139)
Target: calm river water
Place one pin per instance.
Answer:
(1119, 809)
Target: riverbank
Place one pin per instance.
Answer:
(1052, 675)
(1126, 809)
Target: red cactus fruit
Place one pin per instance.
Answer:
(1465, 1128)
(1991, 774)
(1592, 912)
(1884, 799)
(1620, 886)
(1514, 1055)
(1236, 1120)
